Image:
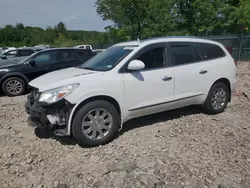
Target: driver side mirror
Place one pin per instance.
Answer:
(136, 65)
(32, 62)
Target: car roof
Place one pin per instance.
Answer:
(166, 39)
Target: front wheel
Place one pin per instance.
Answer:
(14, 86)
(96, 123)
(217, 98)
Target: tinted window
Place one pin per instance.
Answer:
(182, 54)
(44, 57)
(25, 52)
(153, 58)
(209, 51)
(81, 53)
(64, 55)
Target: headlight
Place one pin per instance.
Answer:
(55, 95)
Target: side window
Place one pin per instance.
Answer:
(64, 55)
(209, 51)
(153, 58)
(25, 52)
(182, 54)
(44, 57)
(81, 53)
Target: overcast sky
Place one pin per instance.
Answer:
(76, 14)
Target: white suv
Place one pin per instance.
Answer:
(132, 79)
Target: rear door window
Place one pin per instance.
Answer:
(182, 54)
(25, 52)
(65, 55)
(81, 53)
(209, 51)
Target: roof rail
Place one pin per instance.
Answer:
(166, 37)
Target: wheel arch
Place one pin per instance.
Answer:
(227, 83)
(87, 100)
(14, 74)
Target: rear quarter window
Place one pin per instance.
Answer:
(209, 51)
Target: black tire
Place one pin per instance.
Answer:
(13, 79)
(208, 107)
(77, 132)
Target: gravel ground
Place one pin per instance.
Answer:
(181, 148)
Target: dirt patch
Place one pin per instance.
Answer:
(181, 148)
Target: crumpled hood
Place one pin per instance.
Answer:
(60, 78)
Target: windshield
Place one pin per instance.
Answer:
(107, 59)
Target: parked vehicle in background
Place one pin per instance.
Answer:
(6, 49)
(22, 52)
(15, 77)
(88, 47)
(14, 56)
(43, 46)
(129, 80)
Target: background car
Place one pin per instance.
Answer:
(16, 55)
(88, 47)
(15, 77)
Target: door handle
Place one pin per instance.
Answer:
(203, 71)
(166, 78)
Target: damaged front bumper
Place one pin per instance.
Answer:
(54, 116)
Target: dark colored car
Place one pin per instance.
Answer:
(14, 78)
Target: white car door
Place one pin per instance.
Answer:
(193, 76)
(149, 90)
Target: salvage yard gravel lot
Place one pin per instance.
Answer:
(181, 148)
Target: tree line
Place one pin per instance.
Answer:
(20, 35)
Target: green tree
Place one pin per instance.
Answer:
(61, 29)
(147, 18)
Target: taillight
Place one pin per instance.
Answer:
(229, 49)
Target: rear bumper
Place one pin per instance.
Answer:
(54, 116)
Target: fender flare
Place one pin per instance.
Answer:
(14, 74)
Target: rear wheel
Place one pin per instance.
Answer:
(96, 123)
(217, 98)
(14, 86)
